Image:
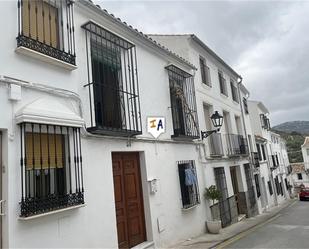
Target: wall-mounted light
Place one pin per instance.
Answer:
(217, 121)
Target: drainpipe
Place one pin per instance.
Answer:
(245, 132)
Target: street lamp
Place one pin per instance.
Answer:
(217, 121)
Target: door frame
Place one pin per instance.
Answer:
(139, 175)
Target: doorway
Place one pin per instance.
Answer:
(235, 186)
(128, 199)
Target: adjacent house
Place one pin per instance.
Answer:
(226, 156)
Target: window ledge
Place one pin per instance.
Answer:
(44, 58)
(190, 208)
(51, 212)
(223, 95)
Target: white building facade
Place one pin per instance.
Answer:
(79, 167)
(226, 157)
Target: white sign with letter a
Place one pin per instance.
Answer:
(156, 126)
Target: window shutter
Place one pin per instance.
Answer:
(44, 146)
(35, 26)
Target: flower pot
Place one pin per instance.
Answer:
(213, 226)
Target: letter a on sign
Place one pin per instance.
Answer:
(156, 126)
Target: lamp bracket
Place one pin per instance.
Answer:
(205, 134)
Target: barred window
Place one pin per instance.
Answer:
(234, 91)
(245, 103)
(277, 185)
(257, 185)
(51, 168)
(222, 82)
(188, 183)
(112, 82)
(205, 72)
(183, 103)
(47, 27)
(270, 188)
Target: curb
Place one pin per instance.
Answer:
(255, 225)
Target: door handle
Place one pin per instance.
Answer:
(1, 207)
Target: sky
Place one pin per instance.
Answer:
(266, 42)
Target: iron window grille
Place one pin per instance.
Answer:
(277, 185)
(205, 72)
(255, 159)
(47, 27)
(222, 82)
(257, 185)
(265, 122)
(249, 181)
(236, 145)
(245, 103)
(183, 103)
(188, 184)
(270, 188)
(112, 83)
(51, 168)
(234, 92)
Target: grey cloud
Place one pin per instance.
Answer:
(265, 42)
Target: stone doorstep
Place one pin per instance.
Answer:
(213, 240)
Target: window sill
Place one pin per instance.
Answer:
(44, 58)
(206, 85)
(190, 208)
(184, 137)
(223, 95)
(51, 212)
(144, 245)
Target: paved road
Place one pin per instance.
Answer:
(289, 230)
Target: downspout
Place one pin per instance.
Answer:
(246, 135)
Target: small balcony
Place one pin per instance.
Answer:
(255, 159)
(46, 31)
(236, 145)
(215, 145)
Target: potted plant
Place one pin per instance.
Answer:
(212, 193)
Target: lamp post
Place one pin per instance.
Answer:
(217, 121)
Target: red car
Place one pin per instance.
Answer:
(304, 194)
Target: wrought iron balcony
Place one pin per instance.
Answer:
(215, 145)
(236, 145)
(255, 159)
(47, 27)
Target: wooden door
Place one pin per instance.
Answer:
(128, 199)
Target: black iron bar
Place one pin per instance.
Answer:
(75, 159)
(22, 155)
(41, 162)
(81, 159)
(69, 159)
(36, 20)
(56, 163)
(33, 161)
(48, 160)
(137, 94)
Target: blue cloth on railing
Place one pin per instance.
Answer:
(190, 177)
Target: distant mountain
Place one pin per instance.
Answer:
(301, 127)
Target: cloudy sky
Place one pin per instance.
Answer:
(267, 42)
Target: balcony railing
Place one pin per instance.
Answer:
(215, 145)
(47, 27)
(255, 159)
(236, 145)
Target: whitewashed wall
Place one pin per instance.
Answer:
(95, 224)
